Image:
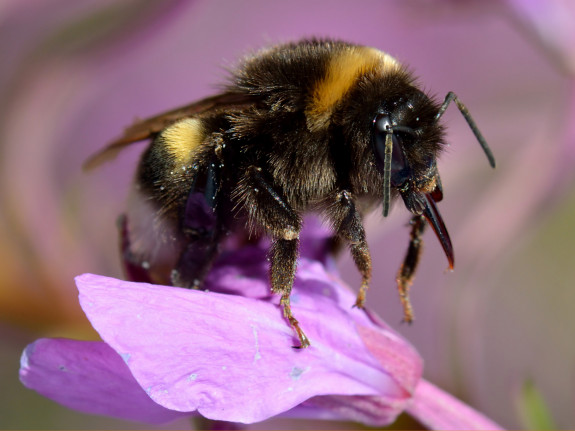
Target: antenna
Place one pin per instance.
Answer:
(387, 172)
(451, 97)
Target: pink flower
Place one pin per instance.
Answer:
(168, 352)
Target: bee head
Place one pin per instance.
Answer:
(406, 142)
(406, 139)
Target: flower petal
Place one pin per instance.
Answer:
(370, 410)
(230, 357)
(438, 410)
(90, 377)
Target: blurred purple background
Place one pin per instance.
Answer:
(74, 74)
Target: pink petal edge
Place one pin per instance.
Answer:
(90, 377)
(438, 410)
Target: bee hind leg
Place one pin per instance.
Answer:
(203, 230)
(196, 260)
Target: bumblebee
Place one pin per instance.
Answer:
(318, 125)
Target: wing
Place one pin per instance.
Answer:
(146, 129)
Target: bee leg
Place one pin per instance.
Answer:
(270, 210)
(406, 272)
(283, 262)
(347, 224)
(196, 260)
(202, 229)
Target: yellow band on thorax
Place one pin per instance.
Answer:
(342, 72)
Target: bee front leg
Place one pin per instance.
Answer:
(406, 272)
(347, 223)
(268, 208)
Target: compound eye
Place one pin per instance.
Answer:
(399, 168)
